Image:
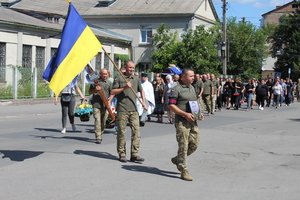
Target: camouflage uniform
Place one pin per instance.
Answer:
(99, 110)
(214, 96)
(127, 111)
(187, 133)
(206, 95)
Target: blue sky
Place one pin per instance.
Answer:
(250, 9)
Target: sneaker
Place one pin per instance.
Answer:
(137, 159)
(73, 127)
(262, 108)
(142, 124)
(185, 175)
(63, 131)
(123, 159)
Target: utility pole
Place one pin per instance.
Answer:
(224, 43)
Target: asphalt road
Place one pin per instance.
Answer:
(252, 155)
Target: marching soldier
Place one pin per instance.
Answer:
(127, 111)
(99, 110)
(183, 102)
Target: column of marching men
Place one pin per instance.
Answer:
(170, 99)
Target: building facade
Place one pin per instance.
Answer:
(136, 19)
(28, 42)
(273, 17)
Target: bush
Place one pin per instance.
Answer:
(6, 92)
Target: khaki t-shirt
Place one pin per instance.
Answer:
(96, 99)
(126, 100)
(207, 85)
(183, 94)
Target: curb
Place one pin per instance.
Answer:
(25, 101)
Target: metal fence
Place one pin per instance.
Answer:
(24, 83)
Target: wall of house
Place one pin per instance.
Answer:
(15, 40)
(206, 13)
(273, 17)
(131, 27)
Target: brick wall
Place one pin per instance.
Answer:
(273, 17)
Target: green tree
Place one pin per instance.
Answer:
(197, 49)
(165, 46)
(286, 45)
(247, 48)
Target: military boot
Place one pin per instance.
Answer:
(185, 175)
(175, 162)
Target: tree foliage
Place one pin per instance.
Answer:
(247, 49)
(196, 49)
(286, 45)
(165, 46)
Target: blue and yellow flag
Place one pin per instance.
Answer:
(77, 47)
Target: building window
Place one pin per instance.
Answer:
(40, 57)
(106, 61)
(27, 56)
(98, 62)
(146, 35)
(2, 62)
(105, 3)
(53, 51)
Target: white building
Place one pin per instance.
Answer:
(137, 19)
(30, 42)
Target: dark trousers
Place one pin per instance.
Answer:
(237, 101)
(219, 102)
(67, 109)
(260, 100)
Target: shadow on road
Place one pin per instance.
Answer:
(48, 129)
(150, 170)
(19, 155)
(84, 139)
(96, 154)
(296, 120)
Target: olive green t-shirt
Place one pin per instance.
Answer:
(181, 95)
(96, 99)
(207, 85)
(126, 100)
(215, 85)
(198, 86)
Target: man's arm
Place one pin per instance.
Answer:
(143, 99)
(188, 116)
(117, 91)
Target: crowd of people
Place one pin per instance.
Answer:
(227, 93)
(184, 99)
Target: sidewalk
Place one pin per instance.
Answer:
(25, 101)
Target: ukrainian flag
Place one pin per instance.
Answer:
(77, 47)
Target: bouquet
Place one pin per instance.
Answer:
(84, 110)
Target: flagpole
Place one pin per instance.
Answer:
(122, 75)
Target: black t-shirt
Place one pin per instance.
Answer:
(248, 88)
(261, 90)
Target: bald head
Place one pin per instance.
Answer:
(104, 74)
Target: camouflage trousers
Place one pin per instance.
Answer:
(133, 119)
(213, 103)
(206, 98)
(187, 135)
(100, 116)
